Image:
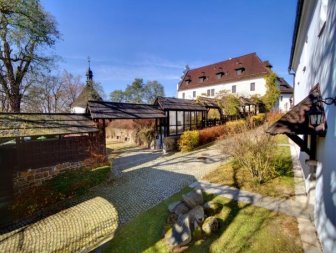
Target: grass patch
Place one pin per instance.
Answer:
(281, 185)
(281, 139)
(145, 230)
(243, 228)
(64, 186)
(77, 182)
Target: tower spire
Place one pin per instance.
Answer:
(89, 74)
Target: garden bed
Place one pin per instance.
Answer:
(281, 185)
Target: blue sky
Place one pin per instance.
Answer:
(154, 40)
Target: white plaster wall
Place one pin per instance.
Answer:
(78, 110)
(318, 57)
(242, 88)
(284, 104)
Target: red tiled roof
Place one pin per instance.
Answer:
(251, 63)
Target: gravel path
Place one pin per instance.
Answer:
(148, 177)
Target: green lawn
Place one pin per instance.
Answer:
(243, 228)
(281, 186)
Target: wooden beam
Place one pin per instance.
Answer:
(301, 143)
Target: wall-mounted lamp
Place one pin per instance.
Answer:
(316, 116)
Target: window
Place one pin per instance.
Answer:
(240, 71)
(194, 94)
(183, 95)
(252, 86)
(172, 122)
(208, 93)
(201, 79)
(179, 122)
(187, 120)
(212, 92)
(234, 89)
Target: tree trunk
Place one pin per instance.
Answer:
(15, 103)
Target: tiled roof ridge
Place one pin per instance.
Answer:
(220, 62)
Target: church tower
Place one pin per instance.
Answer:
(88, 93)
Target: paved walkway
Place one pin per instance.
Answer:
(147, 178)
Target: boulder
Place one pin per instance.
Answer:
(172, 206)
(179, 208)
(196, 215)
(180, 234)
(193, 198)
(172, 218)
(212, 208)
(210, 225)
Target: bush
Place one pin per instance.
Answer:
(189, 140)
(236, 126)
(146, 135)
(257, 120)
(255, 153)
(170, 143)
(210, 134)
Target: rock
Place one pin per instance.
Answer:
(212, 208)
(193, 198)
(210, 225)
(179, 208)
(196, 215)
(172, 218)
(180, 234)
(172, 206)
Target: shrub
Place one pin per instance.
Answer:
(170, 143)
(255, 153)
(210, 134)
(236, 126)
(257, 120)
(146, 135)
(189, 140)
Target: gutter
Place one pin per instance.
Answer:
(299, 8)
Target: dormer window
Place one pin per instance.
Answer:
(240, 71)
(202, 77)
(188, 79)
(220, 73)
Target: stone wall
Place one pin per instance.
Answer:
(33, 177)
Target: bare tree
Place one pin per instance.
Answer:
(25, 29)
(52, 94)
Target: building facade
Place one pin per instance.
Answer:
(243, 75)
(286, 96)
(313, 61)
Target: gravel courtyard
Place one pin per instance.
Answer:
(147, 177)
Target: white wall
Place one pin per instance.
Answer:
(284, 102)
(242, 88)
(316, 63)
(77, 110)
